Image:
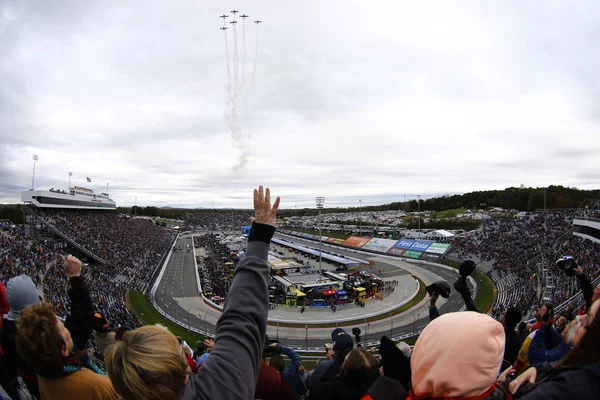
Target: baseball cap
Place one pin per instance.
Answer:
(341, 340)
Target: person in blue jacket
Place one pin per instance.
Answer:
(575, 376)
(289, 373)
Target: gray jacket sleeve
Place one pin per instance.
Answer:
(231, 371)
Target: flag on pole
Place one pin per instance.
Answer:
(89, 180)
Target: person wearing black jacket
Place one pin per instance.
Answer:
(512, 339)
(589, 293)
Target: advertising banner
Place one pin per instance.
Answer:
(330, 240)
(381, 245)
(339, 241)
(420, 245)
(438, 248)
(356, 241)
(412, 254)
(430, 256)
(396, 251)
(404, 244)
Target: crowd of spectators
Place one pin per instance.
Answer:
(522, 253)
(131, 247)
(138, 245)
(216, 266)
(459, 355)
(217, 220)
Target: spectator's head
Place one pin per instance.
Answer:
(149, 364)
(43, 342)
(522, 327)
(360, 366)
(277, 362)
(585, 339)
(468, 343)
(20, 294)
(342, 343)
(396, 365)
(512, 317)
(121, 333)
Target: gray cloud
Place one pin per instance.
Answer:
(345, 103)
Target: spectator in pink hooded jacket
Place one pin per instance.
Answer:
(458, 356)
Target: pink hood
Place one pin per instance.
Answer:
(457, 355)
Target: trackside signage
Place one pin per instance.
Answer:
(420, 245)
(438, 248)
(404, 244)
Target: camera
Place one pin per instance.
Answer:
(356, 333)
(567, 264)
(269, 351)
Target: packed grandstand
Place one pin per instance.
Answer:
(517, 254)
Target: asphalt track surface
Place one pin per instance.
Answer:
(178, 296)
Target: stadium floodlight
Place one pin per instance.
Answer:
(359, 217)
(320, 201)
(419, 204)
(35, 158)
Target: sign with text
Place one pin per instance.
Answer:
(339, 241)
(330, 240)
(356, 241)
(420, 245)
(412, 254)
(430, 256)
(404, 244)
(396, 251)
(381, 245)
(438, 248)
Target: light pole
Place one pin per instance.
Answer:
(320, 204)
(35, 158)
(135, 215)
(359, 217)
(70, 175)
(419, 204)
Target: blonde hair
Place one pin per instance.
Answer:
(148, 364)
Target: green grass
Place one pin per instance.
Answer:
(146, 312)
(485, 292)
(336, 235)
(418, 298)
(451, 213)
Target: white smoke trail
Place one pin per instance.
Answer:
(255, 58)
(235, 66)
(229, 96)
(244, 55)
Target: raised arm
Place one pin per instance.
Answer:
(231, 371)
(586, 287)
(291, 369)
(80, 322)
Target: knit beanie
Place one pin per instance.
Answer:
(457, 355)
(20, 293)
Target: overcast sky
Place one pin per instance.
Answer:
(350, 99)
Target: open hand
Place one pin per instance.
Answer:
(264, 213)
(528, 376)
(72, 266)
